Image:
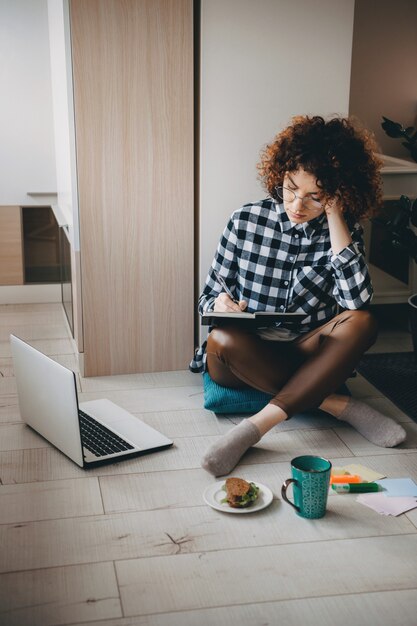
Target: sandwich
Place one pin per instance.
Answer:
(239, 493)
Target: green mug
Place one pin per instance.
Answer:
(310, 480)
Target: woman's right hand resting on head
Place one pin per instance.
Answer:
(223, 303)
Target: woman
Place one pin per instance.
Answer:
(299, 250)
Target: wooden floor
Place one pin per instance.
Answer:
(134, 543)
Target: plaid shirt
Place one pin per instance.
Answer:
(276, 265)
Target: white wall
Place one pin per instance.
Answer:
(27, 160)
(384, 75)
(262, 61)
(63, 116)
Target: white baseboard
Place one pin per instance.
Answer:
(29, 294)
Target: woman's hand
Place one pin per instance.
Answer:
(224, 304)
(333, 206)
(340, 236)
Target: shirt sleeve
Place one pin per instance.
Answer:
(353, 287)
(224, 264)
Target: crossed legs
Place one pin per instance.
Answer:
(301, 375)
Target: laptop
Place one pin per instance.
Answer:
(90, 433)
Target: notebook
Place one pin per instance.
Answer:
(259, 319)
(90, 433)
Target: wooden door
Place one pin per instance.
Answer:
(133, 95)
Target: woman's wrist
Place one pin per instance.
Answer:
(340, 236)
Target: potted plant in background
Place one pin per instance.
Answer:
(396, 131)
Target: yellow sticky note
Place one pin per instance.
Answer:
(367, 474)
(339, 471)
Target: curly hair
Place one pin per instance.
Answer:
(338, 153)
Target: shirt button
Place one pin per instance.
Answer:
(282, 306)
(296, 236)
(286, 282)
(291, 258)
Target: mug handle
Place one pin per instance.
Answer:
(284, 488)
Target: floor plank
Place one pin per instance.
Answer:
(59, 596)
(31, 332)
(186, 422)
(50, 500)
(9, 409)
(183, 378)
(6, 367)
(264, 574)
(36, 464)
(150, 400)
(8, 386)
(363, 609)
(164, 531)
(47, 346)
(361, 388)
(20, 437)
(46, 316)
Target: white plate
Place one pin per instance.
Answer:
(214, 494)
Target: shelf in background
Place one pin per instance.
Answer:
(387, 289)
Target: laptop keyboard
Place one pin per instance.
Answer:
(98, 439)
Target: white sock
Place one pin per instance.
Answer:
(224, 454)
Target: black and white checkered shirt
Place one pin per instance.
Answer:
(276, 265)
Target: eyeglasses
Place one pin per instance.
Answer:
(288, 195)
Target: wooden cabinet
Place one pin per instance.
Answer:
(11, 253)
(133, 94)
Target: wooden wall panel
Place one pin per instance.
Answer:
(11, 254)
(133, 94)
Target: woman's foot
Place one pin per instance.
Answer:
(225, 453)
(373, 425)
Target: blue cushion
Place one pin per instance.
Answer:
(225, 400)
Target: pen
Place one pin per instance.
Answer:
(356, 487)
(225, 287)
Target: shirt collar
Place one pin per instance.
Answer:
(309, 228)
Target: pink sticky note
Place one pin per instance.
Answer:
(387, 506)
